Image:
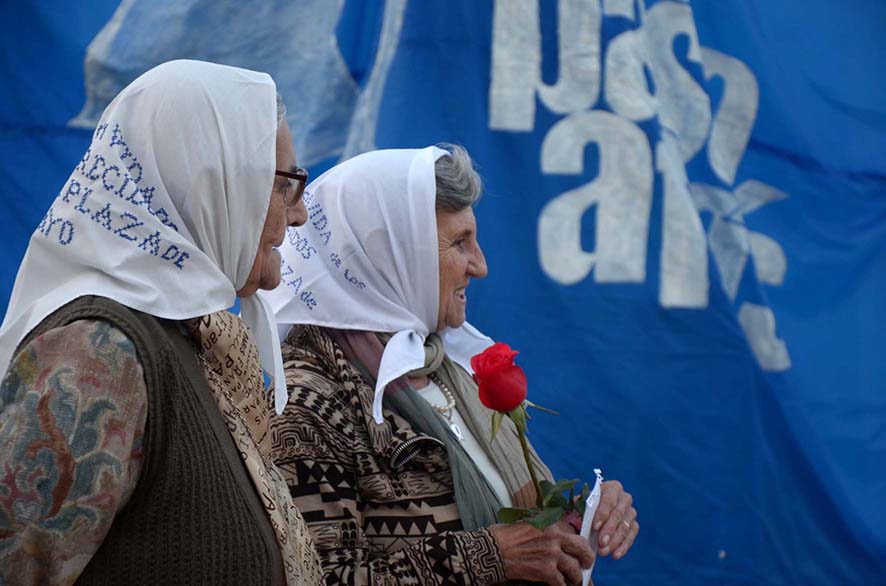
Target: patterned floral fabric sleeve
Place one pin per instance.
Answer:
(72, 414)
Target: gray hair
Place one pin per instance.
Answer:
(281, 111)
(458, 184)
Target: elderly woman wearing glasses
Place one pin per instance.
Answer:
(383, 441)
(133, 445)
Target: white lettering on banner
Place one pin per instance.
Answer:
(684, 254)
(622, 222)
(682, 105)
(516, 58)
(623, 8)
(735, 117)
(730, 240)
(626, 89)
(758, 323)
(642, 79)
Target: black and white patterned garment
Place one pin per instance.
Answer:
(377, 498)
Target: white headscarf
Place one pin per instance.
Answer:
(367, 259)
(165, 211)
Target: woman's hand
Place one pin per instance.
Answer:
(616, 520)
(553, 556)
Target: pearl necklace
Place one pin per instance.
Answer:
(446, 410)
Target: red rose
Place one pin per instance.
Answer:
(502, 383)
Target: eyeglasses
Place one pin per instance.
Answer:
(295, 186)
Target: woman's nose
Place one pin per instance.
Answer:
(297, 215)
(477, 266)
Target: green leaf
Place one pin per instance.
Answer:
(518, 416)
(552, 493)
(555, 500)
(563, 485)
(540, 408)
(510, 515)
(497, 417)
(545, 518)
(583, 499)
(545, 486)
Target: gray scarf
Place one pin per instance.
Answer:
(476, 500)
(474, 496)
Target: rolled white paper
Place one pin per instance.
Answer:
(591, 504)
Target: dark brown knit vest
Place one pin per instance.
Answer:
(194, 517)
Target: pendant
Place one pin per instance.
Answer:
(456, 430)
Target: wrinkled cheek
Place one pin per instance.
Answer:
(271, 271)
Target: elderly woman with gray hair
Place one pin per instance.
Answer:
(383, 441)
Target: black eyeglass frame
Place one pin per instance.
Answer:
(300, 176)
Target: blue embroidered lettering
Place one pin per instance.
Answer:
(135, 223)
(93, 173)
(65, 231)
(336, 260)
(163, 216)
(83, 196)
(100, 131)
(126, 154)
(295, 284)
(321, 223)
(105, 183)
(153, 241)
(182, 258)
(61, 233)
(82, 166)
(308, 298)
(354, 280)
(325, 236)
(147, 194)
(300, 243)
(135, 164)
(103, 217)
(126, 181)
(116, 136)
(73, 189)
(47, 222)
(170, 252)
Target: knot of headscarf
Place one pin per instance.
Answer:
(434, 354)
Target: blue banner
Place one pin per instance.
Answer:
(684, 221)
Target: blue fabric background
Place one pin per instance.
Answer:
(749, 465)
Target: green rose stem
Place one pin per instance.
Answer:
(518, 416)
(525, 446)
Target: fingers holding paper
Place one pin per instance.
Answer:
(616, 520)
(555, 555)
